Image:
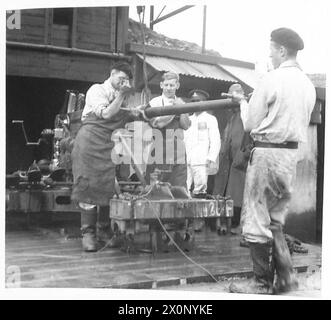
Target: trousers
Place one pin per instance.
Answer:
(198, 175)
(269, 183)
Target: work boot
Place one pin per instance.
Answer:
(88, 228)
(263, 268)
(89, 240)
(286, 279)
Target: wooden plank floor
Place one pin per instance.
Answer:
(46, 258)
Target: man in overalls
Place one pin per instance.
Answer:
(203, 143)
(277, 117)
(92, 165)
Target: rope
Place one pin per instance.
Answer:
(177, 246)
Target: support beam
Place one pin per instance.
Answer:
(171, 14)
(204, 29)
(66, 50)
(151, 17)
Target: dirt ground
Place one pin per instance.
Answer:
(309, 285)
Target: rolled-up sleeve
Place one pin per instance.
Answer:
(253, 113)
(96, 100)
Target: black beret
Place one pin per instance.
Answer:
(198, 93)
(287, 38)
(123, 66)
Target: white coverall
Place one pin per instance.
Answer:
(202, 142)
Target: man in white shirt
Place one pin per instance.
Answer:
(277, 117)
(171, 130)
(203, 143)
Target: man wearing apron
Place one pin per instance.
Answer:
(171, 128)
(92, 165)
(277, 117)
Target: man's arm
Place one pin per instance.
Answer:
(253, 112)
(114, 107)
(184, 121)
(99, 103)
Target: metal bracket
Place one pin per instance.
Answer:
(24, 132)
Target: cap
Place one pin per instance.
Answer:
(236, 87)
(198, 94)
(287, 38)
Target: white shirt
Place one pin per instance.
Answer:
(280, 107)
(99, 97)
(202, 139)
(163, 101)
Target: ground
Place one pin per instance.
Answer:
(309, 285)
(50, 256)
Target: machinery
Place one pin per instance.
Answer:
(46, 185)
(165, 214)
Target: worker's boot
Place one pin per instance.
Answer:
(263, 268)
(286, 279)
(103, 225)
(88, 229)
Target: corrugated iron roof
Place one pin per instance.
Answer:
(249, 76)
(189, 68)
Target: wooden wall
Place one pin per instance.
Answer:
(39, 64)
(32, 27)
(99, 29)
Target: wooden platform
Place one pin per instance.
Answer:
(46, 258)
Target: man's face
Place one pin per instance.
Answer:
(276, 53)
(169, 87)
(119, 78)
(198, 98)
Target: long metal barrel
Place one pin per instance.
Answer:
(190, 107)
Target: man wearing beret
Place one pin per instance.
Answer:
(277, 115)
(203, 143)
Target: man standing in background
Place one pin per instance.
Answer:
(203, 143)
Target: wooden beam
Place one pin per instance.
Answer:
(74, 28)
(51, 14)
(171, 14)
(113, 29)
(65, 50)
(46, 27)
(122, 28)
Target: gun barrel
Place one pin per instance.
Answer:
(190, 107)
